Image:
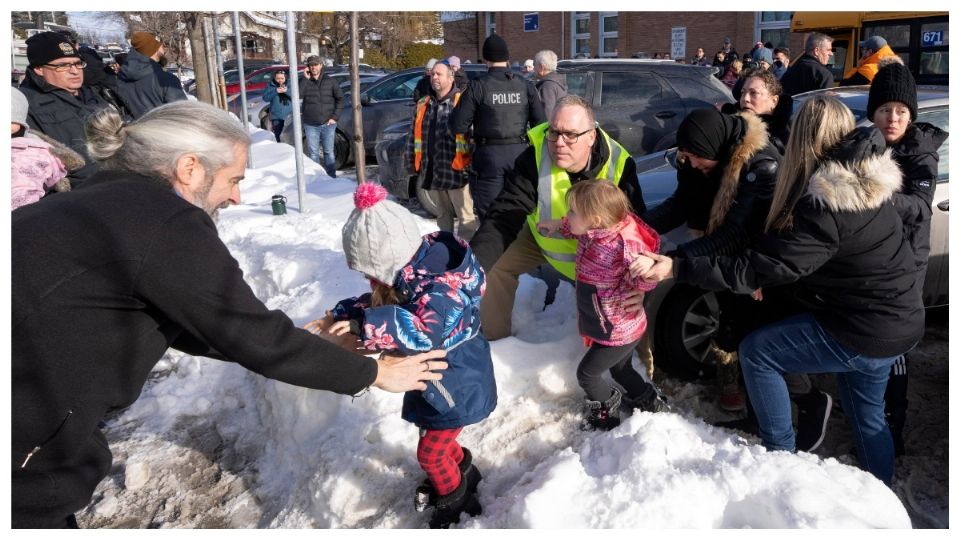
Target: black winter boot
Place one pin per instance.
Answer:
(451, 505)
(426, 495)
(603, 415)
(649, 401)
(895, 404)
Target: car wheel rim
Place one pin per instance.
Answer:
(699, 325)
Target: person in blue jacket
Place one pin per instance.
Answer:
(425, 295)
(275, 94)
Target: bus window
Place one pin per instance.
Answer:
(897, 35)
(837, 63)
(934, 63)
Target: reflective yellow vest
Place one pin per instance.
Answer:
(461, 158)
(552, 186)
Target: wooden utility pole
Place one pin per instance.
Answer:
(198, 51)
(359, 155)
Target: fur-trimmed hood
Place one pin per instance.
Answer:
(71, 160)
(863, 178)
(753, 139)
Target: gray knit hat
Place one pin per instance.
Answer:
(380, 236)
(18, 112)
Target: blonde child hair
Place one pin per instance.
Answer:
(599, 201)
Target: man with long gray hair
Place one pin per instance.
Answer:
(107, 278)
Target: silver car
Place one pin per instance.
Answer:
(684, 318)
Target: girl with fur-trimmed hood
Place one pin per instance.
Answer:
(38, 163)
(833, 229)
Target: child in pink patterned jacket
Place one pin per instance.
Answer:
(36, 166)
(609, 238)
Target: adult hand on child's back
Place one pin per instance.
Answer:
(405, 373)
(633, 302)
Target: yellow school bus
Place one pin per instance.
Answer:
(921, 38)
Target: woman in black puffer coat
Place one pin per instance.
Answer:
(892, 107)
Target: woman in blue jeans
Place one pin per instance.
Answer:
(280, 104)
(832, 229)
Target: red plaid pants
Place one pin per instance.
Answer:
(440, 455)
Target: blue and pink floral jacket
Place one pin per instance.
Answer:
(440, 289)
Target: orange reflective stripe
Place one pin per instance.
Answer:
(461, 158)
(418, 133)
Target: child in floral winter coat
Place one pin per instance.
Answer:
(37, 165)
(609, 238)
(425, 295)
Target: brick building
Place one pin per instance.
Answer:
(613, 34)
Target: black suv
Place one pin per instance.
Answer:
(641, 102)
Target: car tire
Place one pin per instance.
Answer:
(341, 150)
(686, 322)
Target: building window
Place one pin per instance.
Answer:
(773, 27)
(491, 23)
(308, 48)
(608, 34)
(580, 38)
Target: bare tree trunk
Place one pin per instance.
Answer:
(198, 50)
(360, 157)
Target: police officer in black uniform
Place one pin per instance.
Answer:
(500, 105)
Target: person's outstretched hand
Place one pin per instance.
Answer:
(405, 373)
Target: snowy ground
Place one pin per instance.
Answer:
(209, 445)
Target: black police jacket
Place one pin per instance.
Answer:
(500, 106)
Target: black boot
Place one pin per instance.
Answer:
(895, 404)
(650, 400)
(426, 495)
(451, 505)
(603, 415)
(813, 411)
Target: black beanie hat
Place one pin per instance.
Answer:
(45, 47)
(708, 133)
(893, 82)
(495, 49)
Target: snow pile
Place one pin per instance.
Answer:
(314, 459)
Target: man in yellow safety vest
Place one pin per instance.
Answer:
(570, 148)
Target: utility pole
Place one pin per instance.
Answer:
(243, 80)
(293, 84)
(359, 154)
(222, 90)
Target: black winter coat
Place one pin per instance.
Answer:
(736, 197)
(508, 213)
(60, 115)
(806, 74)
(847, 250)
(917, 156)
(104, 281)
(144, 85)
(322, 100)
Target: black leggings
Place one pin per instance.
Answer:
(617, 359)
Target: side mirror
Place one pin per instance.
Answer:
(365, 100)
